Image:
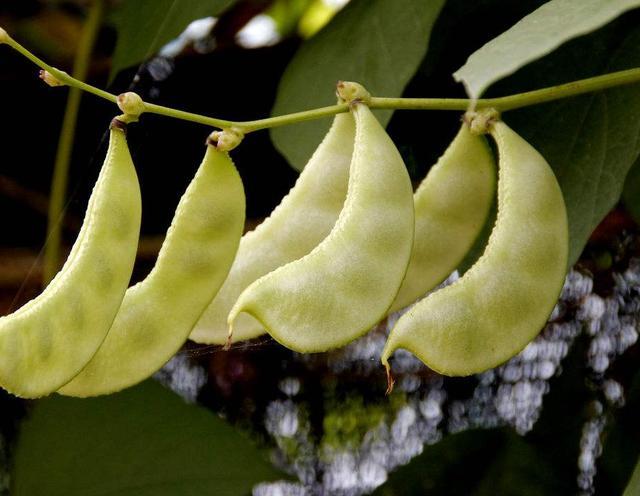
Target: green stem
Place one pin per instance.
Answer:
(61, 75)
(283, 120)
(516, 101)
(65, 143)
(574, 88)
(152, 108)
(461, 104)
(501, 104)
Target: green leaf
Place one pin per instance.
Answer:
(631, 192)
(590, 141)
(519, 469)
(287, 14)
(144, 441)
(633, 488)
(144, 26)
(434, 471)
(534, 36)
(492, 461)
(619, 464)
(378, 43)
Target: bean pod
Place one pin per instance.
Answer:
(347, 283)
(301, 221)
(451, 207)
(504, 300)
(158, 313)
(44, 344)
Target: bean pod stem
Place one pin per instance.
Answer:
(510, 102)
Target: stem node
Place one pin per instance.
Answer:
(351, 92)
(132, 106)
(226, 140)
(480, 121)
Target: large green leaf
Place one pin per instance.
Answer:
(143, 441)
(633, 488)
(493, 462)
(144, 26)
(590, 141)
(631, 193)
(534, 36)
(378, 43)
(619, 464)
(433, 472)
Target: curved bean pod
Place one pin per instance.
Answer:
(504, 300)
(302, 220)
(347, 283)
(50, 339)
(451, 206)
(158, 313)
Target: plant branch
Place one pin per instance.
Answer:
(283, 120)
(56, 73)
(501, 104)
(59, 181)
(519, 100)
(574, 88)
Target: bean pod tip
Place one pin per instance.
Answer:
(390, 380)
(227, 344)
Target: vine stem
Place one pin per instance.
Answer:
(51, 263)
(518, 100)
(501, 104)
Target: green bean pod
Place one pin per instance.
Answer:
(158, 313)
(302, 220)
(44, 344)
(347, 283)
(451, 206)
(505, 299)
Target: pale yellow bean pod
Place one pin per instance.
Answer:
(347, 283)
(158, 313)
(451, 207)
(505, 299)
(44, 344)
(302, 220)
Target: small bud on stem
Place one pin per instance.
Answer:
(4, 36)
(50, 79)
